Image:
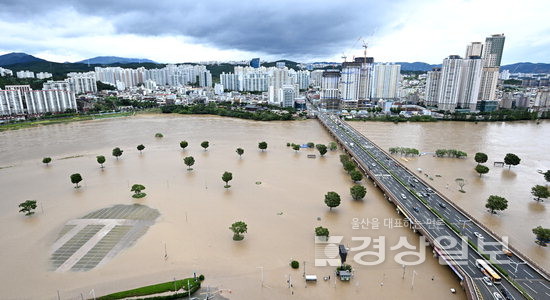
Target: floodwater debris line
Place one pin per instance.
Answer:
(94, 239)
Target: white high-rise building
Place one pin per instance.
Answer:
(230, 81)
(288, 92)
(82, 83)
(449, 86)
(470, 82)
(492, 56)
(330, 94)
(350, 78)
(474, 49)
(43, 75)
(22, 100)
(433, 80)
(303, 79)
(385, 81)
(316, 78)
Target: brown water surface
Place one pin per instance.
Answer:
(196, 211)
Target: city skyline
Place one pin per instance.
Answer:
(169, 33)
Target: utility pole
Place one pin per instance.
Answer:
(403, 276)
(412, 283)
(262, 272)
(304, 268)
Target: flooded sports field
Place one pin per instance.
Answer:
(77, 243)
(527, 139)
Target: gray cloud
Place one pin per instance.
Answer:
(279, 28)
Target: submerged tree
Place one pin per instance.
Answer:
(226, 177)
(76, 178)
(496, 203)
(481, 169)
(296, 147)
(205, 145)
(358, 192)
(28, 207)
(159, 135)
(117, 152)
(461, 183)
(547, 175)
(137, 188)
(322, 149)
(262, 146)
(240, 151)
(480, 157)
(540, 191)
(47, 160)
(321, 231)
(189, 161)
(183, 145)
(100, 160)
(238, 229)
(140, 148)
(332, 199)
(511, 160)
(542, 234)
(356, 175)
(332, 146)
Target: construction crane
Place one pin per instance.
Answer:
(344, 57)
(365, 45)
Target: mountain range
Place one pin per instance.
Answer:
(21, 61)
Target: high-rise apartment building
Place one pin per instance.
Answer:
(330, 94)
(385, 81)
(22, 100)
(470, 82)
(449, 86)
(474, 49)
(492, 56)
(433, 80)
(350, 79)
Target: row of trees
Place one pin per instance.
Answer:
(404, 151)
(323, 149)
(450, 153)
(235, 112)
(350, 168)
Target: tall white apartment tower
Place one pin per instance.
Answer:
(350, 78)
(474, 49)
(449, 86)
(432, 86)
(330, 94)
(385, 80)
(470, 82)
(491, 56)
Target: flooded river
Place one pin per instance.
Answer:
(526, 139)
(278, 193)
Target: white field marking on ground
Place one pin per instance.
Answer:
(77, 255)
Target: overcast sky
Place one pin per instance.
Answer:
(317, 30)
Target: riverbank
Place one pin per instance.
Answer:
(69, 119)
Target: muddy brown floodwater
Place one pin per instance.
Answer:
(528, 140)
(196, 211)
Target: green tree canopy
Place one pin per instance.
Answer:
(321, 148)
(321, 231)
(461, 183)
(349, 166)
(481, 157)
(262, 146)
(205, 145)
(226, 177)
(240, 151)
(511, 160)
(543, 235)
(184, 144)
(496, 203)
(547, 175)
(100, 160)
(238, 229)
(159, 135)
(332, 146)
(332, 199)
(27, 207)
(47, 160)
(76, 178)
(140, 147)
(356, 175)
(358, 192)
(540, 191)
(296, 147)
(137, 188)
(117, 152)
(189, 161)
(310, 144)
(481, 169)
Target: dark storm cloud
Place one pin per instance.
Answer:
(287, 28)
